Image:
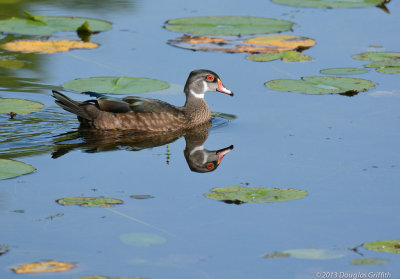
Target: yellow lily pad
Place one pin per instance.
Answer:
(46, 266)
(260, 44)
(52, 46)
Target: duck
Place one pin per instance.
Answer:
(146, 114)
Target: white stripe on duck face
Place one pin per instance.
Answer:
(201, 94)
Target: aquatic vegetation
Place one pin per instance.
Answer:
(11, 168)
(343, 71)
(227, 25)
(240, 194)
(386, 62)
(387, 246)
(321, 85)
(47, 25)
(19, 106)
(89, 201)
(52, 46)
(45, 266)
(141, 239)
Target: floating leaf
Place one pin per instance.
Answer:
(116, 85)
(11, 64)
(314, 254)
(276, 255)
(330, 4)
(240, 194)
(287, 56)
(321, 85)
(19, 106)
(227, 25)
(343, 71)
(387, 246)
(369, 261)
(141, 197)
(46, 266)
(46, 25)
(53, 46)
(387, 62)
(262, 44)
(107, 277)
(377, 56)
(11, 168)
(89, 201)
(141, 239)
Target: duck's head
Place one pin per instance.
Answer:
(201, 81)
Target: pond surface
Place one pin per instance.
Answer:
(344, 151)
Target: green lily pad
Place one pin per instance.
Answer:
(227, 25)
(12, 168)
(314, 254)
(89, 201)
(368, 261)
(321, 85)
(46, 25)
(387, 246)
(141, 239)
(287, 56)
(240, 194)
(11, 64)
(116, 85)
(377, 56)
(386, 62)
(330, 4)
(343, 71)
(19, 106)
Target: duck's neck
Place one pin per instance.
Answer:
(196, 108)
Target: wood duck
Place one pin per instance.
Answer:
(145, 114)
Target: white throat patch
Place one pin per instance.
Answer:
(197, 95)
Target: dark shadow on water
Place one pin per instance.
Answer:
(198, 158)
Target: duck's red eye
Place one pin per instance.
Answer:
(210, 77)
(210, 166)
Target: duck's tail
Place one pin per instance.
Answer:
(70, 105)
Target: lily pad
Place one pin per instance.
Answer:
(116, 85)
(387, 246)
(227, 25)
(321, 85)
(11, 168)
(240, 194)
(377, 56)
(260, 44)
(19, 106)
(330, 4)
(343, 71)
(46, 266)
(287, 56)
(89, 201)
(386, 62)
(369, 261)
(141, 197)
(141, 239)
(46, 25)
(53, 46)
(314, 254)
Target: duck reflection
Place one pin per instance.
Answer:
(198, 158)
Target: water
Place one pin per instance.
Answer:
(344, 151)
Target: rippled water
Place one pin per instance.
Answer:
(344, 151)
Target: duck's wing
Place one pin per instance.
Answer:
(135, 104)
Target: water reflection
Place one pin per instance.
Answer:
(198, 158)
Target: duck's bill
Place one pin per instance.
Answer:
(222, 152)
(221, 88)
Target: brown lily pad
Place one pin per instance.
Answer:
(46, 266)
(52, 46)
